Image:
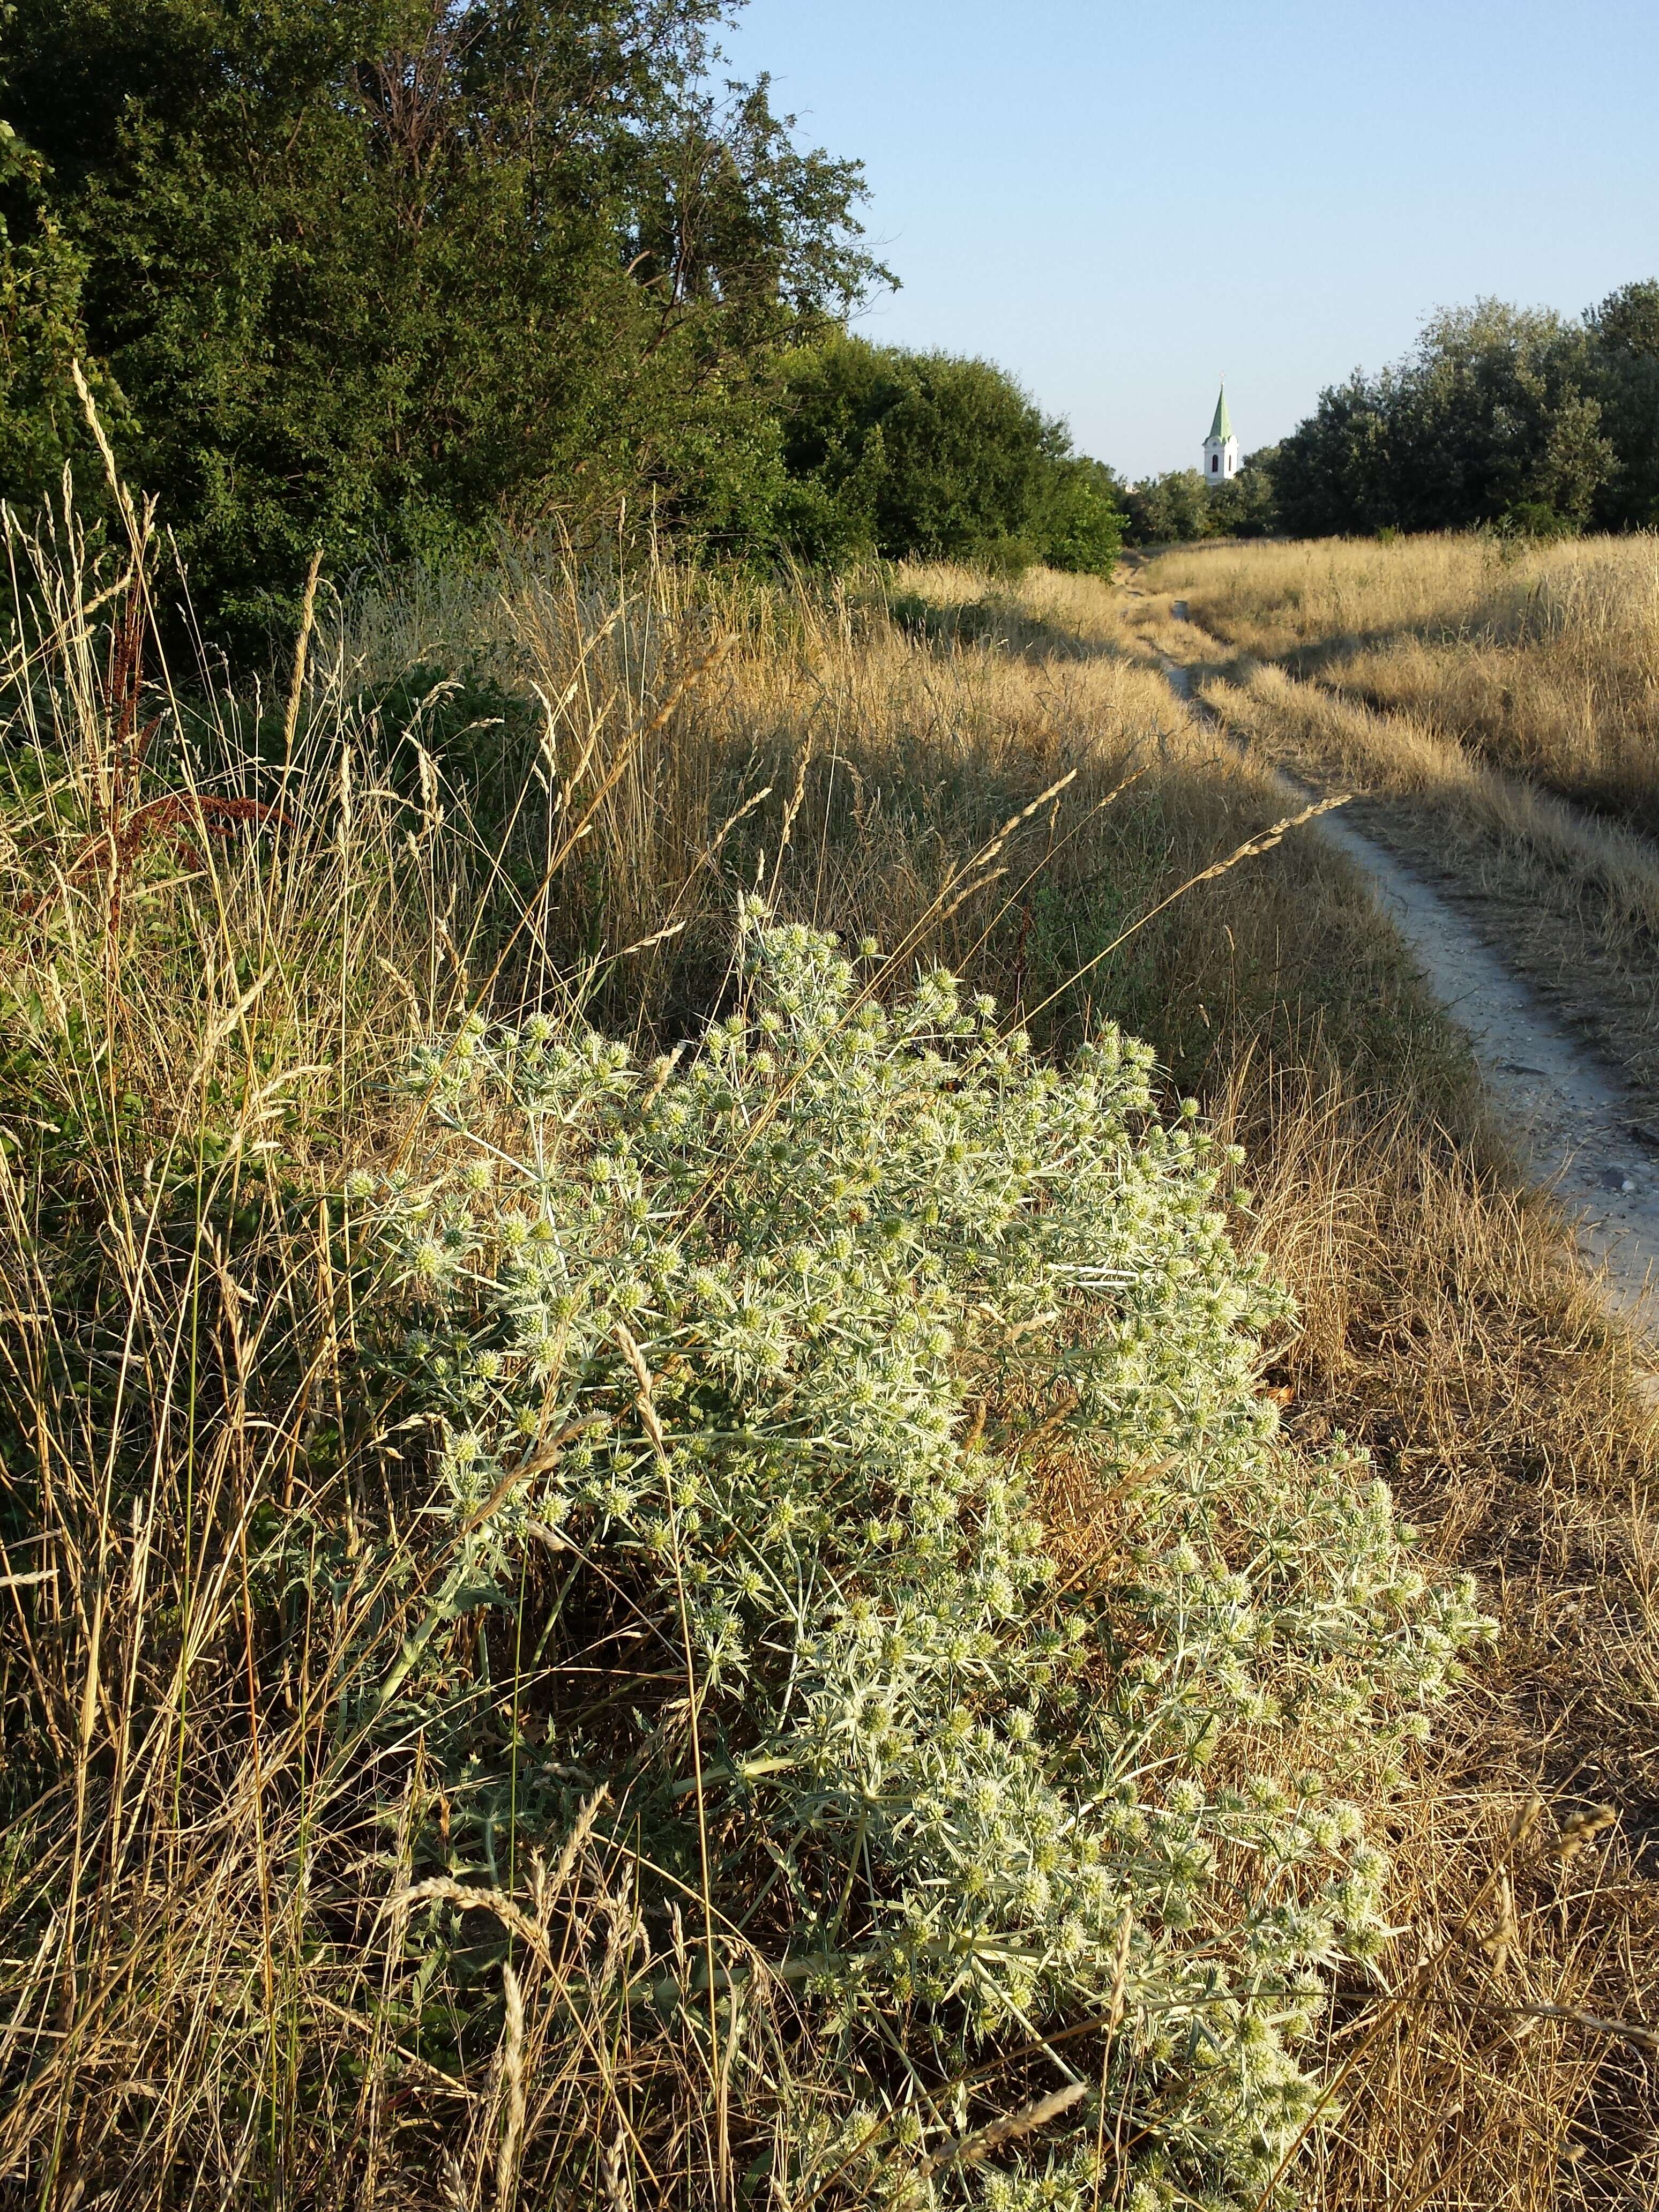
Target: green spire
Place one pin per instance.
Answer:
(1222, 427)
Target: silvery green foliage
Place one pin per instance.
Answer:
(774, 1336)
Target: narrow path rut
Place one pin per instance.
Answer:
(1572, 1122)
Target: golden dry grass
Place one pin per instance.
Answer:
(1546, 659)
(1429, 675)
(1571, 899)
(1441, 1329)
(203, 1972)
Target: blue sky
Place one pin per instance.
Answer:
(1119, 203)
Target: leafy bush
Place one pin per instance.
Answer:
(933, 456)
(1082, 524)
(768, 1347)
(1172, 509)
(1495, 408)
(457, 719)
(374, 277)
(1183, 504)
(1534, 520)
(1624, 336)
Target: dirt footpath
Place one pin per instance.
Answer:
(1574, 1126)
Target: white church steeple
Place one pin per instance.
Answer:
(1220, 447)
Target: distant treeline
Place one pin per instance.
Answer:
(1181, 505)
(380, 275)
(1509, 418)
(1498, 415)
(383, 275)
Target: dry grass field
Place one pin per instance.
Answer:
(1432, 677)
(1546, 660)
(207, 1999)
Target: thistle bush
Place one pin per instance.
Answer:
(772, 1348)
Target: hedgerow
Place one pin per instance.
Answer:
(771, 1348)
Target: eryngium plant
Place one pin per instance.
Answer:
(766, 1345)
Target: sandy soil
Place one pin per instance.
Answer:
(1574, 1126)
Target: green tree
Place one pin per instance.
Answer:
(1246, 506)
(1493, 411)
(1333, 474)
(376, 272)
(40, 279)
(932, 455)
(1183, 504)
(1080, 518)
(1494, 414)
(1171, 509)
(1624, 341)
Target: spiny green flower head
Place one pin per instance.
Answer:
(765, 1332)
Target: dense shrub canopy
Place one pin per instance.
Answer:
(764, 1345)
(369, 274)
(1498, 415)
(928, 455)
(1181, 505)
(1624, 360)
(377, 275)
